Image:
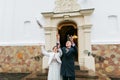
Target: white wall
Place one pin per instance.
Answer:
(102, 33)
(105, 34)
(18, 20)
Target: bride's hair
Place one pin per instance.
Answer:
(54, 47)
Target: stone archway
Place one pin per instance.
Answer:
(80, 19)
(66, 29)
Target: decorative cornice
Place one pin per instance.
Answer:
(86, 11)
(81, 12)
(47, 14)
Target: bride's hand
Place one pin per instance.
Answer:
(58, 37)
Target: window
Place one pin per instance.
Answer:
(113, 23)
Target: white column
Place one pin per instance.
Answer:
(89, 61)
(81, 46)
(87, 36)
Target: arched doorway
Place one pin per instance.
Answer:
(66, 29)
(61, 22)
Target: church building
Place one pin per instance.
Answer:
(25, 25)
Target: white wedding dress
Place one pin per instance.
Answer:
(54, 70)
(54, 64)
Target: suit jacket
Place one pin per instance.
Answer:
(51, 55)
(67, 66)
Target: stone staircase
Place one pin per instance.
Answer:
(81, 74)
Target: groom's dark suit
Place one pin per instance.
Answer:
(67, 67)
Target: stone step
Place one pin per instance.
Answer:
(80, 75)
(77, 78)
(114, 77)
(81, 71)
(35, 79)
(77, 67)
(12, 76)
(77, 72)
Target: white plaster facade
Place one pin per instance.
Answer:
(15, 12)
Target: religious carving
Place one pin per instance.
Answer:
(66, 6)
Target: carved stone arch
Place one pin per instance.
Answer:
(66, 23)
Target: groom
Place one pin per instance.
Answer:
(67, 66)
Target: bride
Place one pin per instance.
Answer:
(54, 62)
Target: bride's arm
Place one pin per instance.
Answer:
(58, 45)
(44, 52)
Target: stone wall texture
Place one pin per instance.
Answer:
(19, 59)
(111, 63)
